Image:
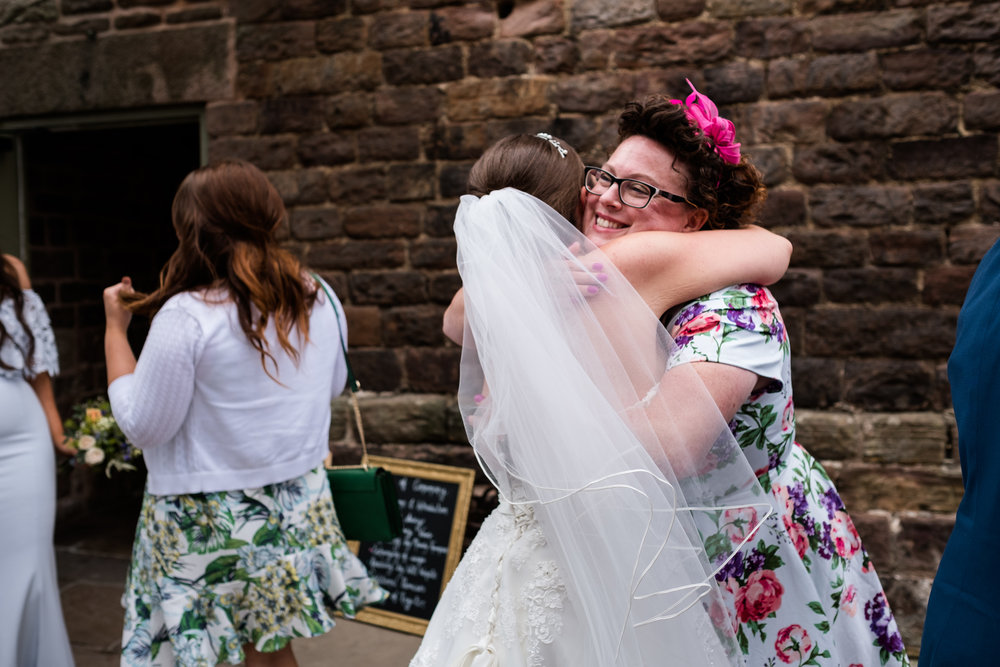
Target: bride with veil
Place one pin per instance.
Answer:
(612, 462)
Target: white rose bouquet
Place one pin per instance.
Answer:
(99, 443)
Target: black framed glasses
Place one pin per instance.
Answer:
(630, 191)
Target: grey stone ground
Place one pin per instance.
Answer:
(92, 558)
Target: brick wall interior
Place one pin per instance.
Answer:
(875, 121)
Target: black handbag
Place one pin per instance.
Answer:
(364, 496)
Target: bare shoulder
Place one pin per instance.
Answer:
(19, 270)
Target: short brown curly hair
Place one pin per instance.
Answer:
(732, 194)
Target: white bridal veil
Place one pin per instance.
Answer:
(575, 409)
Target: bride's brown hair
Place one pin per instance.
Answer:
(225, 216)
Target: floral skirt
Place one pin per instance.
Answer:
(214, 571)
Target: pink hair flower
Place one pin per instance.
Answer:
(703, 113)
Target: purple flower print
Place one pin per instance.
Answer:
(798, 495)
(881, 623)
(755, 561)
(741, 318)
(825, 548)
(681, 341)
(734, 568)
(689, 313)
(831, 501)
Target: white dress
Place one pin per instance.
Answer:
(610, 461)
(32, 630)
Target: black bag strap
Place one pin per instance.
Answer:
(352, 381)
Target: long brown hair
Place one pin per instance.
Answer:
(544, 167)
(225, 215)
(10, 288)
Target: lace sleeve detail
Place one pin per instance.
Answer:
(45, 357)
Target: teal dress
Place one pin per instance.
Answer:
(962, 614)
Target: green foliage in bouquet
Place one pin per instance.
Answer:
(93, 432)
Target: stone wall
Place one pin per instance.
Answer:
(875, 121)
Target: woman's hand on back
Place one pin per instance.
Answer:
(117, 316)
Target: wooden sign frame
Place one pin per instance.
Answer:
(463, 478)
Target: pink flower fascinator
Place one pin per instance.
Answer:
(703, 113)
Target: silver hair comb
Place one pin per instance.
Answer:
(555, 142)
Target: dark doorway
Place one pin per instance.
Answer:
(98, 208)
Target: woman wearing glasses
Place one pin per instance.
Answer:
(802, 589)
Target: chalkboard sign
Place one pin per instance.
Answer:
(414, 568)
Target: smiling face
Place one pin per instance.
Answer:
(605, 217)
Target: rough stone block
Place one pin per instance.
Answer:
(499, 59)
(986, 64)
(414, 325)
(381, 370)
(348, 110)
(866, 31)
(397, 30)
(922, 67)
(772, 161)
(592, 93)
(866, 487)
(818, 383)
(592, 14)
(855, 162)
(989, 202)
(327, 148)
(775, 122)
(772, 37)
(411, 182)
(819, 249)
(982, 111)
(291, 114)
(890, 332)
(433, 253)
(340, 34)
(343, 255)
(432, 369)
(382, 221)
(672, 44)
(275, 41)
(677, 10)
(422, 66)
(740, 9)
(947, 285)
(731, 83)
(894, 116)
(783, 209)
(229, 118)
(798, 287)
(315, 222)
(906, 247)
(405, 418)
(442, 287)
(539, 17)
(943, 203)
(89, 28)
(440, 220)
(859, 205)
(556, 55)
(910, 437)
(870, 285)
(474, 99)
(823, 75)
(301, 186)
(358, 185)
(406, 105)
(388, 288)
(461, 24)
(963, 23)
(273, 152)
(921, 541)
(890, 385)
(376, 144)
(71, 7)
(458, 141)
(194, 15)
(364, 326)
(828, 435)
(943, 159)
(968, 243)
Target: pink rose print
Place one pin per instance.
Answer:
(849, 601)
(760, 597)
(786, 416)
(793, 644)
(763, 303)
(798, 534)
(844, 535)
(780, 492)
(702, 323)
(739, 524)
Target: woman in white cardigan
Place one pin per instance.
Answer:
(238, 549)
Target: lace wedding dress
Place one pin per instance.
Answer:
(611, 464)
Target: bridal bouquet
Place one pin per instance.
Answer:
(93, 432)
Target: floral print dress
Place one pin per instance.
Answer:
(802, 591)
(214, 571)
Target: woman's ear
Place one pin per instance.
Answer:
(695, 220)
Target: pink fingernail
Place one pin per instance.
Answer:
(593, 289)
(478, 398)
(597, 266)
(603, 277)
